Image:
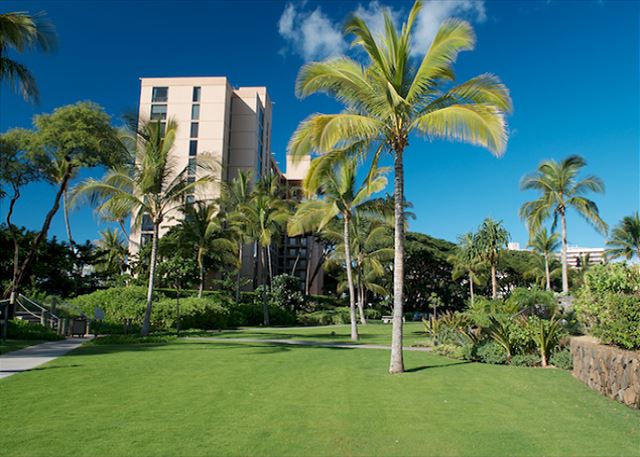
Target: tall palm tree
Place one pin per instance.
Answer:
(265, 216)
(20, 31)
(625, 238)
(492, 239)
(203, 227)
(467, 263)
(235, 196)
(541, 269)
(113, 250)
(560, 189)
(340, 198)
(545, 244)
(388, 99)
(151, 187)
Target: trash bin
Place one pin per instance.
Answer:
(79, 327)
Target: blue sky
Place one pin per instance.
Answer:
(572, 68)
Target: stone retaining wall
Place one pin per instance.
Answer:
(612, 371)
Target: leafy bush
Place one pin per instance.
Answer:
(446, 328)
(525, 360)
(533, 301)
(561, 358)
(131, 339)
(608, 304)
(18, 329)
(322, 302)
(450, 350)
(207, 313)
(285, 292)
(110, 328)
(328, 317)
(118, 303)
(491, 352)
(373, 314)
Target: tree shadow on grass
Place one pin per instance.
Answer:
(430, 367)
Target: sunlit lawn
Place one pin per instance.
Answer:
(13, 345)
(197, 398)
(373, 333)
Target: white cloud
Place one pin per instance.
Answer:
(435, 11)
(313, 35)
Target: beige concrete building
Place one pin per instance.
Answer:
(230, 125)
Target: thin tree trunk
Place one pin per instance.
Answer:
(270, 266)
(352, 298)
(65, 211)
(471, 288)
(295, 264)
(16, 254)
(396, 364)
(546, 271)
(239, 275)
(265, 305)
(33, 250)
(494, 282)
(201, 285)
(544, 358)
(363, 319)
(565, 272)
(146, 324)
(177, 312)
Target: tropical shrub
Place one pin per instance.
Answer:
(608, 304)
(285, 292)
(451, 351)
(491, 352)
(205, 313)
(118, 303)
(18, 329)
(132, 339)
(533, 301)
(525, 360)
(546, 335)
(561, 358)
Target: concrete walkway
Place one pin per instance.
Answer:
(29, 358)
(323, 344)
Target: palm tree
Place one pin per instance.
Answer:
(114, 251)
(152, 187)
(203, 227)
(541, 269)
(336, 183)
(58, 171)
(560, 189)
(467, 263)
(21, 31)
(492, 239)
(391, 97)
(265, 215)
(625, 238)
(545, 244)
(235, 196)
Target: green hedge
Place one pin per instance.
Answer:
(118, 303)
(22, 330)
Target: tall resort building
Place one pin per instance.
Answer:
(231, 126)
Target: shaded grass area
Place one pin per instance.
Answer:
(372, 333)
(243, 399)
(13, 345)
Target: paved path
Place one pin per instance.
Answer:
(306, 343)
(29, 358)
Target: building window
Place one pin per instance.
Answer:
(147, 223)
(190, 199)
(160, 94)
(191, 179)
(145, 238)
(196, 94)
(158, 112)
(195, 112)
(194, 130)
(193, 147)
(260, 128)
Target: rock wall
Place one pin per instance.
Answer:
(612, 371)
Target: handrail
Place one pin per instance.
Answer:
(42, 308)
(26, 309)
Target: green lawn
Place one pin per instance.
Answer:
(13, 345)
(373, 333)
(197, 398)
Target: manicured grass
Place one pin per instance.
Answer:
(373, 333)
(13, 345)
(193, 398)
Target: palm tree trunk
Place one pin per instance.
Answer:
(352, 298)
(396, 364)
(239, 275)
(201, 285)
(265, 305)
(546, 270)
(565, 272)
(361, 294)
(146, 324)
(494, 282)
(270, 266)
(471, 288)
(65, 211)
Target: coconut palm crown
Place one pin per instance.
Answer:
(560, 189)
(625, 238)
(391, 96)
